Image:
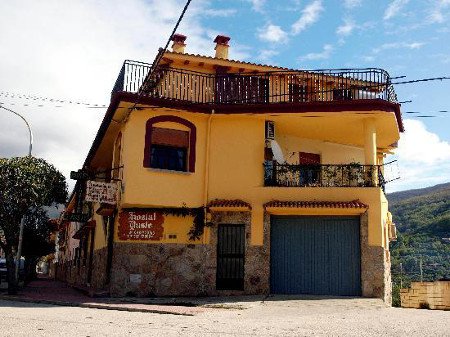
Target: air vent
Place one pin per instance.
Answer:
(270, 130)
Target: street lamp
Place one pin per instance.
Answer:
(22, 221)
(28, 126)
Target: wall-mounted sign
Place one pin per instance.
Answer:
(140, 225)
(79, 175)
(101, 192)
(76, 217)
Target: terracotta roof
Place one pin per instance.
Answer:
(229, 203)
(168, 53)
(83, 229)
(316, 204)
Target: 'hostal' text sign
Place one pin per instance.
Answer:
(140, 225)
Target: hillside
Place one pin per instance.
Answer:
(422, 217)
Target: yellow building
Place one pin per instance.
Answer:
(240, 178)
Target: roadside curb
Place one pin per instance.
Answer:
(104, 306)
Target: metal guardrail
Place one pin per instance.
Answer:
(351, 175)
(255, 88)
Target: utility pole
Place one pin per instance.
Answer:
(401, 275)
(421, 269)
(22, 221)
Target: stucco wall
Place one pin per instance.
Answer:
(235, 170)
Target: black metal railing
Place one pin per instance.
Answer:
(255, 88)
(324, 175)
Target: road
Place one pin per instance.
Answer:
(273, 317)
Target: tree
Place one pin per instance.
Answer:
(26, 185)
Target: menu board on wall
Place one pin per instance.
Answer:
(140, 225)
(101, 192)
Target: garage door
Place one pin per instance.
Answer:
(315, 255)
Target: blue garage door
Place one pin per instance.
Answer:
(315, 255)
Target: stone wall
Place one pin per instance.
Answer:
(427, 295)
(98, 278)
(185, 269)
(375, 267)
(147, 270)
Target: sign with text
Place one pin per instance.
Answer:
(79, 175)
(101, 192)
(140, 225)
(76, 217)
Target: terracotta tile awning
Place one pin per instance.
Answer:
(84, 229)
(315, 204)
(106, 210)
(224, 203)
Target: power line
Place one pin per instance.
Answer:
(158, 58)
(48, 99)
(423, 80)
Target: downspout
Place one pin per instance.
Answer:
(206, 183)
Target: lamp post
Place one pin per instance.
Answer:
(30, 148)
(22, 221)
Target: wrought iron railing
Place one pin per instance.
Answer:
(255, 88)
(351, 175)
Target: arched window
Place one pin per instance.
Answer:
(167, 148)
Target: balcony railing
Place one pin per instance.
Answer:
(255, 88)
(351, 175)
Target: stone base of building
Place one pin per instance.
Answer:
(185, 270)
(77, 275)
(98, 274)
(375, 267)
(149, 270)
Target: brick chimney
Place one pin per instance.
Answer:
(178, 43)
(222, 46)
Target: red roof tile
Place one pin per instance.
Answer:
(168, 53)
(229, 203)
(316, 204)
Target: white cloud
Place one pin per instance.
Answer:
(310, 14)
(346, 28)
(220, 12)
(423, 158)
(324, 54)
(272, 33)
(398, 45)
(258, 5)
(266, 55)
(394, 8)
(368, 58)
(352, 3)
(437, 14)
(75, 50)
(420, 146)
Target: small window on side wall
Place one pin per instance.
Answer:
(170, 149)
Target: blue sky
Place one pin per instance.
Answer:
(74, 50)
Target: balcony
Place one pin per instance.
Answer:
(255, 88)
(351, 175)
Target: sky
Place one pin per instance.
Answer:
(72, 51)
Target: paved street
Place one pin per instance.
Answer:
(274, 317)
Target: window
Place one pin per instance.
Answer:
(168, 157)
(342, 94)
(297, 93)
(309, 168)
(241, 89)
(167, 148)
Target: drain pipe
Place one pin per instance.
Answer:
(206, 184)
